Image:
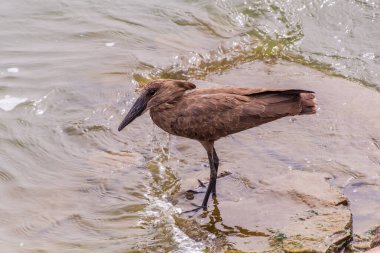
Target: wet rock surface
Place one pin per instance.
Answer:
(297, 184)
(376, 239)
(374, 250)
(282, 213)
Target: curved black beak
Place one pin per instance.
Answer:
(137, 109)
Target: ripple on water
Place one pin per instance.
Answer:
(270, 30)
(74, 191)
(6, 176)
(78, 129)
(156, 227)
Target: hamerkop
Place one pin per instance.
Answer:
(207, 115)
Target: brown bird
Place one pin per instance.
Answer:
(207, 115)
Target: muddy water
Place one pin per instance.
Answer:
(68, 71)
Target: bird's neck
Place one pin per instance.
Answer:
(164, 106)
(168, 103)
(161, 115)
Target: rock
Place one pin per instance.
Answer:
(376, 240)
(374, 250)
(309, 217)
(293, 212)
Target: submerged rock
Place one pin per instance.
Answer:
(293, 212)
(323, 222)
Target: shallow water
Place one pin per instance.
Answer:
(68, 71)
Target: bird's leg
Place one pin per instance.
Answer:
(201, 184)
(216, 164)
(212, 184)
(209, 146)
(216, 160)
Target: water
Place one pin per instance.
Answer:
(68, 71)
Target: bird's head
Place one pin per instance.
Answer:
(154, 94)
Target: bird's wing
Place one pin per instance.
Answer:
(214, 115)
(210, 116)
(227, 90)
(247, 101)
(244, 91)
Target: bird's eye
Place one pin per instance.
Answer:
(152, 92)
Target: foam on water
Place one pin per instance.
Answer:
(110, 44)
(8, 103)
(161, 210)
(159, 213)
(12, 70)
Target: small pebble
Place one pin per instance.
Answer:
(110, 44)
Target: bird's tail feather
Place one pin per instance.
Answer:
(308, 103)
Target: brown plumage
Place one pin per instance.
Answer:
(209, 114)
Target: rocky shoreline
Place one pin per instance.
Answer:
(294, 192)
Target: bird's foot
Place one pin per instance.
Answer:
(189, 194)
(201, 184)
(195, 210)
(224, 174)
